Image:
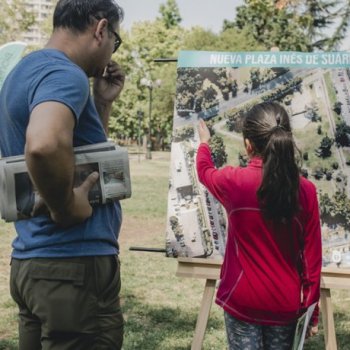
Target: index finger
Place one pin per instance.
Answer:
(112, 66)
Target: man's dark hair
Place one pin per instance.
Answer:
(78, 15)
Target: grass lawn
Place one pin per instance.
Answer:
(160, 309)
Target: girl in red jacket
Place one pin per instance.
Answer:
(272, 264)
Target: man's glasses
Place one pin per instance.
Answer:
(118, 40)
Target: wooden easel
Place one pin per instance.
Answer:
(210, 271)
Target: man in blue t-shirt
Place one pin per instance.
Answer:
(65, 273)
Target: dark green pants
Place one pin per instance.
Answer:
(68, 304)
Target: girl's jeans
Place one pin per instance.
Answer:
(248, 336)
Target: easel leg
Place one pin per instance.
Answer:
(328, 320)
(203, 315)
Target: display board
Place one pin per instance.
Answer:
(219, 87)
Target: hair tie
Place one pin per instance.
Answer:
(276, 127)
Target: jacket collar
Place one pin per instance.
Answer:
(255, 162)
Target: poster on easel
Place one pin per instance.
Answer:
(219, 87)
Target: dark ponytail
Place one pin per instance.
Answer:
(268, 129)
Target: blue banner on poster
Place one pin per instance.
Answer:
(264, 59)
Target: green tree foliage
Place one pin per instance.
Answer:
(146, 42)
(335, 208)
(325, 14)
(337, 107)
(184, 133)
(199, 90)
(170, 14)
(326, 205)
(312, 114)
(324, 150)
(218, 151)
(222, 81)
(231, 39)
(270, 26)
(259, 24)
(209, 97)
(281, 92)
(200, 39)
(163, 38)
(342, 134)
(15, 19)
(255, 78)
(188, 89)
(294, 24)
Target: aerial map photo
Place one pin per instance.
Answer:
(219, 88)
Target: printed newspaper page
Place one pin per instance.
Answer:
(301, 328)
(19, 198)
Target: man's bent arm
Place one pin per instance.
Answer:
(50, 161)
(104, 110)
(107, 87)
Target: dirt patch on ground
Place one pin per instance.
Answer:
(136, 232)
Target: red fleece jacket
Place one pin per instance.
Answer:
(270, 273)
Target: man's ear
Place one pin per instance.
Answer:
(101, 29)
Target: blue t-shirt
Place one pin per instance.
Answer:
(48, 75)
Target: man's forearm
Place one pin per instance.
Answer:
(52, 173)
(104, 110)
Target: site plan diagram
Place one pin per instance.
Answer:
(219, 87)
